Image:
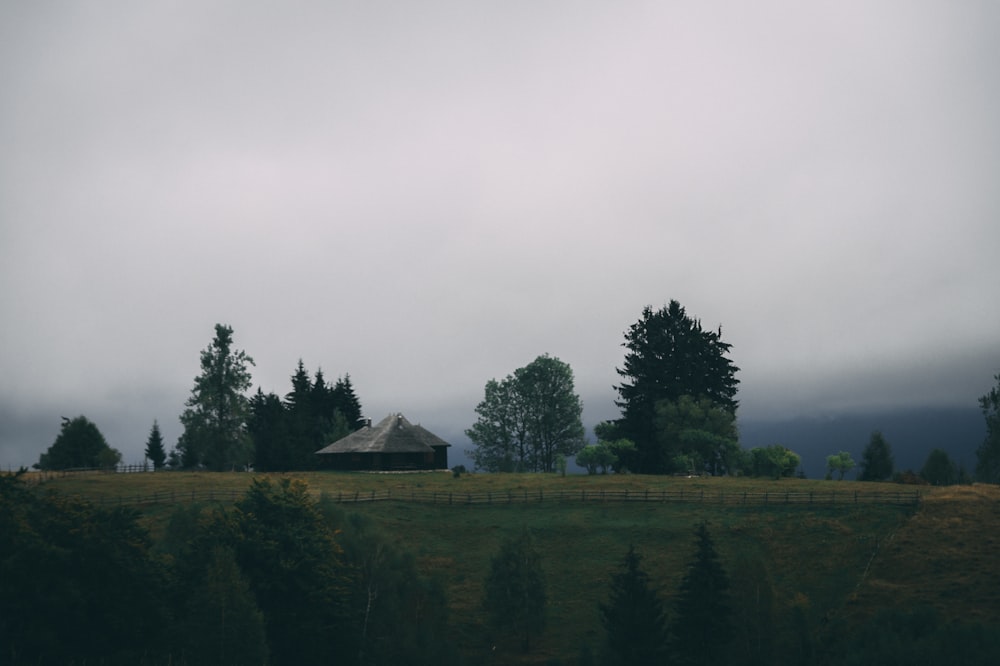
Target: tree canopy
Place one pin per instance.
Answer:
(840, 462)
(694, 436)
(669, 355)
(939, 469)
(514, 592)
(528, 419)
(215, 419)
(79, 444)
(775, 461)
(876, 460)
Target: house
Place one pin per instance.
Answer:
(392, 444)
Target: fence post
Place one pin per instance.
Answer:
(855, 496)
(449, 498)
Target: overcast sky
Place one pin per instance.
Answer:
(427, 195)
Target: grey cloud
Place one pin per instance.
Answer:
(428, 197)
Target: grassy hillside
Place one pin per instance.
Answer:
(818, 562)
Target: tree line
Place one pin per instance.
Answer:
(225, 429)
(678, 416)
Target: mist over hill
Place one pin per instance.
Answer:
(912, 433)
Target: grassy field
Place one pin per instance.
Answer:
(823, 561)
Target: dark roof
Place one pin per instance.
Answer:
(393, 434)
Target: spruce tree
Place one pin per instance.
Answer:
(155, 451)
(268, 429)
(634, 617)
(702, 626)
(346, 402)
(669, 356)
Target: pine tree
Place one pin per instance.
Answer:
(301, 420)
(634, 617)
(268, 429)
(702, 626)
(346, 402)
(155, 451)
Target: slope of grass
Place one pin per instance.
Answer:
(947, 555)
(821, 561)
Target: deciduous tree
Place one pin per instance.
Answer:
(774, 461)
(215, 419)
(876, 460)
(668, 356)
(514, 592)
(528, 418)
(841, 462)
(292, 562)
(79, 444)
(693, 432)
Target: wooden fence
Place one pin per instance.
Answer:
(843, 498)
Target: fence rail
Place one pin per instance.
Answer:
(735, 498)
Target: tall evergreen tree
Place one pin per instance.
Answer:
(988, 453)
(876, 460)
(215, 419)
(702, 626)
(268, 430)
(669, 356)
(346, 402)
(155, 451)
(634, 617)
(300, 406)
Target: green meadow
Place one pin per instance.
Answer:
(822, 566)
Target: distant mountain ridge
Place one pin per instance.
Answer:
(912, 433)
